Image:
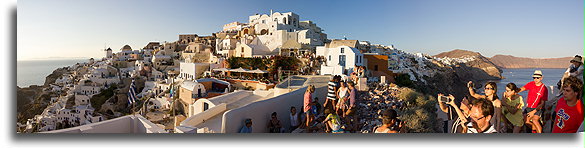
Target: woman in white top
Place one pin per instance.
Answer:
(294, 118)
(342, 94)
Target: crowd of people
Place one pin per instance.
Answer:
(345, 110)
(487, 113)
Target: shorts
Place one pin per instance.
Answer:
(309, 112)
(528, 109)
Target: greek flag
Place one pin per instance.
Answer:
(132, 93)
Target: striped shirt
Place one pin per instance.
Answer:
(331, 90)
(470, 129)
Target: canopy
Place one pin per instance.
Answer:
(258, 71)
(239, 70)
(221, 69)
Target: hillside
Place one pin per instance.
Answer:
(472, 65)
(508, 61)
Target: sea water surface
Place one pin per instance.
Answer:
(522, 76)
(33, 72)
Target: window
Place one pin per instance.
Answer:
(329, 57)
(375, 67)
(342, 50)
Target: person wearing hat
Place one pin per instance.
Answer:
(537, 95)
(575, 69)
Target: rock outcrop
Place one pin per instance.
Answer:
(31, 101)
(50, 79)
(476, 68)
(508, 61)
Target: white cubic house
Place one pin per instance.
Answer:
(340, 60)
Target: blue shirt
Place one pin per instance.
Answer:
(245, 129)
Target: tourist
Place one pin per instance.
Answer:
(537, 96)
(569, 110)
(452, 123)
(576, 68)
(295, 121)
(332, 87)
(247, 126)
(479, 117)
(342, 95)
(490, 90)
(350, 117)
(274, 125)
(511, 108)
(307, 104)
(316, 108)
(333, 121)
(389, 120)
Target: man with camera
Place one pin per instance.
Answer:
(481, 113)
(453, 120)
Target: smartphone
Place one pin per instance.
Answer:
(444, 99)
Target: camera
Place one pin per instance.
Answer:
(471, 85)
(444, 99)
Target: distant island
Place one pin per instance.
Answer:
(508, 61)
(511, 62)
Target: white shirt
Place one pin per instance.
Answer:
(294, 120)
(470, 129)
(578, 73)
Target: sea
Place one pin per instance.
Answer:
(33, 72)
(522, 76)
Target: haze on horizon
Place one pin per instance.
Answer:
(523, 28)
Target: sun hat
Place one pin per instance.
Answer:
(577, 58)
(537, 73)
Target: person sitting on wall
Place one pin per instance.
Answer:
(295, 120)
(274, 125)
(247, 126)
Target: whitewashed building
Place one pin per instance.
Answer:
(192, 71)
(340, 60)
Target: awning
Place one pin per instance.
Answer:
(239, 70)
(221, 69)
(258, 71)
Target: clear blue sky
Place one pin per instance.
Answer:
(525, 28)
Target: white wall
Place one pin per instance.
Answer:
(260, 111)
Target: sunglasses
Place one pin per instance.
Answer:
(536, 77)
(489, 88)
(477, 118)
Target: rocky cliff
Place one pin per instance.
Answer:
(31, 101)
(473, 65)
(508, 61)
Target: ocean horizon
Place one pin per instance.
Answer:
(34, 72)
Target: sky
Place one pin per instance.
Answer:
(523, 28)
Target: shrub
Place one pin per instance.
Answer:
(403, 80)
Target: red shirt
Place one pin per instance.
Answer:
(308, 99)
(535, 94)
(568, 119)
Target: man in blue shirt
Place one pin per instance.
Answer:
(248, 126)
